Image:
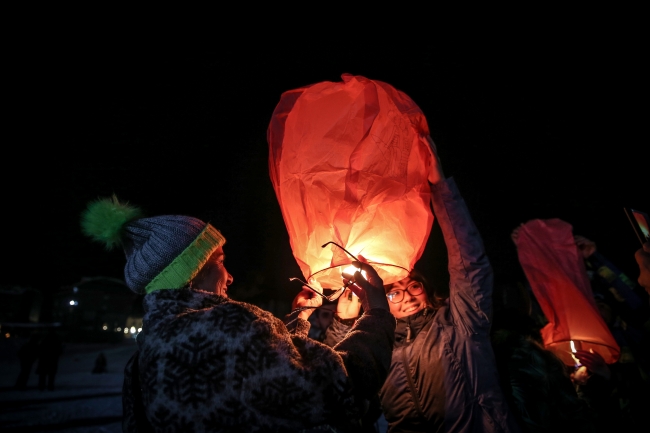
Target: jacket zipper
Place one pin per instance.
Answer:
(409, 378)
(408, 329)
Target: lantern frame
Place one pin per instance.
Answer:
(378, 267)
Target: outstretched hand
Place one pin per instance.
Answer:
(370, 289)
(586, 247)
(306, 298)
(594, 363)
(515, 233)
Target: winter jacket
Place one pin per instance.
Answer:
(206, 363)
(443, 375)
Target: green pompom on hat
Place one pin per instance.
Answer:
(104, 220)
(163, 252)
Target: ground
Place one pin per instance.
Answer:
(82, 402)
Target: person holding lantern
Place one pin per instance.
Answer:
(443, 375)
(207, 363)
(594, 320)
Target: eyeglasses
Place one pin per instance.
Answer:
(397, 295)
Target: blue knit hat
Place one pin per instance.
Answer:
(163, 252)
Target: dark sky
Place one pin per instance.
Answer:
(529, 129)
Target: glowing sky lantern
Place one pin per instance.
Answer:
(349, 163)
(556, 272)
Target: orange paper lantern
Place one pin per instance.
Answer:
(556, 272)
(349, 164)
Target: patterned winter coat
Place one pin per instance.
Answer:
(206, 363)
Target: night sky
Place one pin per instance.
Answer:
(529, 129)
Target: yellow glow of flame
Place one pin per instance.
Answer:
(350, 270)
(573, 350)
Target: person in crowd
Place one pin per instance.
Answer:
(49, 351)
(642, 257)
(606, 277)
(592, 380)
(206, 363)
(616, 393)
(27, 354)
(320, 320)
(100, 364)
(535, 381)
(443, 375)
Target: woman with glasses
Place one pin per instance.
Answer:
(443, 374)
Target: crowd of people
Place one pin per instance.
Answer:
(44, 349)
(392, 355)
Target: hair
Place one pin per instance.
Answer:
(203, 271)
(415, 275)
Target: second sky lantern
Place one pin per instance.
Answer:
(556, 272)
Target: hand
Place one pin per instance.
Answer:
(580, 376)
(435, 170)
(515, 233)
(348, 305)
(586, 247)
(370, 290)
(306, 298)
(642, 257)
(594, 363)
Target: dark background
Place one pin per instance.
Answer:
(530, 127)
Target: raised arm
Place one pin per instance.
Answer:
(470, 273)
(366, 349)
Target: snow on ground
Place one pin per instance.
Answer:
(81, 402)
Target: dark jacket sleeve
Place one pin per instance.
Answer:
(366, 351)
(470, 273)
(296, 325)
(365, 348)
(335, 333)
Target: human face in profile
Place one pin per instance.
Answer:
(214, 277)
(406, 297)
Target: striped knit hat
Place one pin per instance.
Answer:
(163, 252)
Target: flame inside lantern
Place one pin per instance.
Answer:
(573, 352)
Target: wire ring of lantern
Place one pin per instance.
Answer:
(584, 344)
(348, 252)
(333, 297)
(347, 264)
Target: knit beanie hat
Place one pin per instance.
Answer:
(163, 252)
